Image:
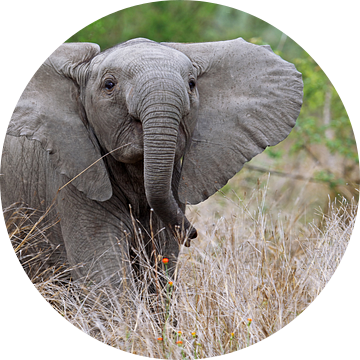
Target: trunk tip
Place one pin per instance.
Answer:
(190, 234)
(193, 233)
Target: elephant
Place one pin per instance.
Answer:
(138, 131)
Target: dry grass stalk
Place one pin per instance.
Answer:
(248, 275)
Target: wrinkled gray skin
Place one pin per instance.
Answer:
(179, 120)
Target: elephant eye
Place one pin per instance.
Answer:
(109, 84)
(192, 85)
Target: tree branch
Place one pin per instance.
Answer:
(282, 174)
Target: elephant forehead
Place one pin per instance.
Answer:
(140, 56)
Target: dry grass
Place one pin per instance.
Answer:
(252, 262)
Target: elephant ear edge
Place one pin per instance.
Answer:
(49, 111)
(249, 98)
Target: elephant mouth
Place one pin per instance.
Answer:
(136, 122)
(138, 135)
(129, 142)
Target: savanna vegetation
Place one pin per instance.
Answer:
(268, 242)
(252, 270)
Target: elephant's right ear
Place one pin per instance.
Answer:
(50, 112)
(249, 98)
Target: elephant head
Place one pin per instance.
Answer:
(207, 107)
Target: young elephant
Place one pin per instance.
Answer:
(140, 126)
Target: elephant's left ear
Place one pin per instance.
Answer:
(50, 111)
(250, 98)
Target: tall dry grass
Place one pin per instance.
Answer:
(252, 271)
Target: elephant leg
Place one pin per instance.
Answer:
(27, 197)
(95, 239)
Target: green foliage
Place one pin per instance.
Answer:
(312, 127)
(329, 177)
(179, 21)
(275, 152)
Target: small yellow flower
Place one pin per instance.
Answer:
(179, 342)
(171, 283)
(249, 320)
(232, 335)
(160, 339)
(193, 334)
(179, 332)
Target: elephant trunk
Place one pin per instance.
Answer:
(160, 121)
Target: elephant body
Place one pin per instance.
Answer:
(106, 229)
(114, 144)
